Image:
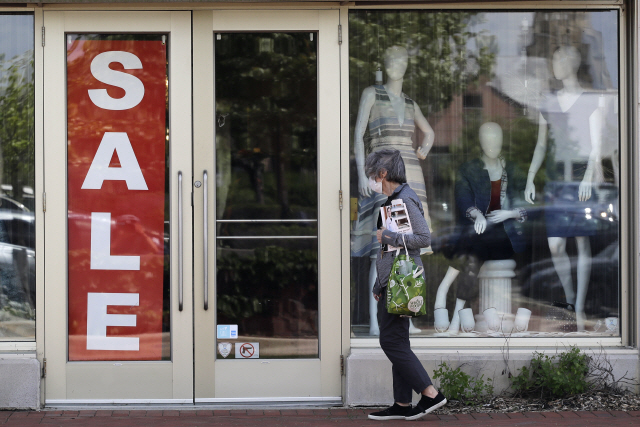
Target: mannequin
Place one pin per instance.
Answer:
(443, 288)
(481, 197)
(575, 122)
(391, 117)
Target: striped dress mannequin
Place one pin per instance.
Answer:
(386, 131)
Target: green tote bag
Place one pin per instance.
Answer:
(406, 290)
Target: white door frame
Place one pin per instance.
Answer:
(322, 379)
(110, 382)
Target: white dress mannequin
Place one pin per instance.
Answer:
(566, 61)
(490, 136)
(396, 61)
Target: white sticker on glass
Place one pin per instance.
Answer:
(225, 348)
(248, 350)
(227, 332)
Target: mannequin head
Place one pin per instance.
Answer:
(491, 139)
(396, 60)
(566, 61)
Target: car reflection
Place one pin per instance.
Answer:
(17, 269)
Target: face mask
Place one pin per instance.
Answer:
(375, 186)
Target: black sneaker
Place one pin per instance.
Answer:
(426, 405)
(395, 412)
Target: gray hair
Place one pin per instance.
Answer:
(389, 161)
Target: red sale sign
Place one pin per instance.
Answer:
(116, 160)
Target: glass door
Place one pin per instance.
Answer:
(268, 310)
(118, 294)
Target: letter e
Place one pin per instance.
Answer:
(98, 320)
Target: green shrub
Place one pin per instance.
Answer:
(458, 385)
(556, 376)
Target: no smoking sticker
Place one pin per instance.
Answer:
(247, 350)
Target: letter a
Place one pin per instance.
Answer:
(129, 170)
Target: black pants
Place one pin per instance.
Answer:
(408, 372)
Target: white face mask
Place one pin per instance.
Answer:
(375, 186)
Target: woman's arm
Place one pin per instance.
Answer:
(421, 237)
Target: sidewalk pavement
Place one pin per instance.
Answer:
(304, 417)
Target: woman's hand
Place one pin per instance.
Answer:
(376, 296)
(480, 223)
(422, 152)
(502, 215)
(379, 234)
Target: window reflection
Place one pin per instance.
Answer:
(269, 288)
(558, 116)
(266, 192)
(17, 179)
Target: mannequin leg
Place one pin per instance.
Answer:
(562, 264)
(373, 304)
(584, 274)
(443, 289)
(412, 328)
(454, 326)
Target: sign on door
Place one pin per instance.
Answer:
(116, 119)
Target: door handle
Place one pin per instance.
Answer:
(205, 239)
(180, 246)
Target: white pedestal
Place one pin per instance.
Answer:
(495, 285)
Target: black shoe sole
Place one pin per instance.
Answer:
(388, 417)
(422, 414)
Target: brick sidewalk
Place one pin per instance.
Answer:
(303, 417)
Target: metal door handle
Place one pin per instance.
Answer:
(205, 240)
(180, 255)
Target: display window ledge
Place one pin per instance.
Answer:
(11, 351)
(495, 343)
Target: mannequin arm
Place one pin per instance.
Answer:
(429, 134)
(366, 102)
(502, 215)
(536, 161)
(595, 128)
(465, 201)
(479, 221)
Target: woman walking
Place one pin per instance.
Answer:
(386, 172)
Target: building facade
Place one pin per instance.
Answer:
(241, 269)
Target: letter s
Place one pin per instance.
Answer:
(131, 84)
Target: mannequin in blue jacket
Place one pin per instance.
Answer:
(489, 203)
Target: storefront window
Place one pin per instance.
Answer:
(517, 113)
(17, 179)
